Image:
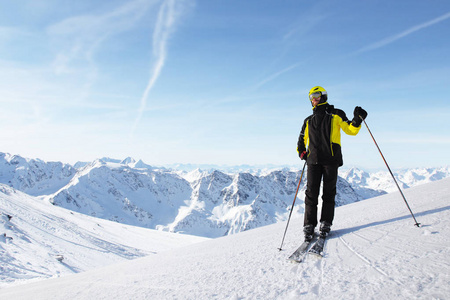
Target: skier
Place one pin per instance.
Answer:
(319, 144)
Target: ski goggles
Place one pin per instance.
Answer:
(315, 95)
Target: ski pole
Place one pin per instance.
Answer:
(382, 156)
(292, 208)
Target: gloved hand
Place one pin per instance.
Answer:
(303, 155)
(359, 115)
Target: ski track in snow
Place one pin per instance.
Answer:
(374, 250)
(366, 260)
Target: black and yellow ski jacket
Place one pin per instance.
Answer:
(321, 135)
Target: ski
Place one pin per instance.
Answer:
(317, 248)
(301, 252)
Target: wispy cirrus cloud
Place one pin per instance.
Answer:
(274, 76)
(79, 38)
(168, 15)
(403, 34)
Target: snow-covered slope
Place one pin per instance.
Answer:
(34, 234)
(374, 252)
(114, 191)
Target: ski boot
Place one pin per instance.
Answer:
(324, 229)
(308, 231)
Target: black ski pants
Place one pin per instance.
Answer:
(315, 174)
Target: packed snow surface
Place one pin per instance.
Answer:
(39, 240)
(374, 252)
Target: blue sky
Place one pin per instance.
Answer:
(221, 82)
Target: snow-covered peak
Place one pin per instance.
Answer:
(140, 165)
(128, 161)
(34, 176)
(355, 175)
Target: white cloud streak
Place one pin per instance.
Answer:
(275, 75)
(403, 34)
(80, 37)
(165, 25)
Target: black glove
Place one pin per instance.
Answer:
(359, 115)
(303, 155)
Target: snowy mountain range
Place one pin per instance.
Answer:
(204, 203)
(383, 180)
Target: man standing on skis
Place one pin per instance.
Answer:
(319, 144)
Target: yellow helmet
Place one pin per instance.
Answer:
(321, 90)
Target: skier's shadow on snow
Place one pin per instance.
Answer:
(340, 232)
(73, 269)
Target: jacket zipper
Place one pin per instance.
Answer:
(331, 135)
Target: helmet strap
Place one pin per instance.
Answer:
(321, 103)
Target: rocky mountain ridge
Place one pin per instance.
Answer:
(205, 203)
